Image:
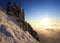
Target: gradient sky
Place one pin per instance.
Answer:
(37, 9)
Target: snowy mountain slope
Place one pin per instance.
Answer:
(11, 33)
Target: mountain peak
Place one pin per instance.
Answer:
(12, 33)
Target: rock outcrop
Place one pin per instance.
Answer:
(16, 14)
(10, 32)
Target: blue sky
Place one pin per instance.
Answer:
(37, 9)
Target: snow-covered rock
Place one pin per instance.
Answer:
(11, 33)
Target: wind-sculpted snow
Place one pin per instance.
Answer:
(11, 33)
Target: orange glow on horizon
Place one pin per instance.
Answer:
(45, 23)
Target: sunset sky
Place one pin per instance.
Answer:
(36, 10)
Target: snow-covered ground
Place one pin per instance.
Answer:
(11, 33)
